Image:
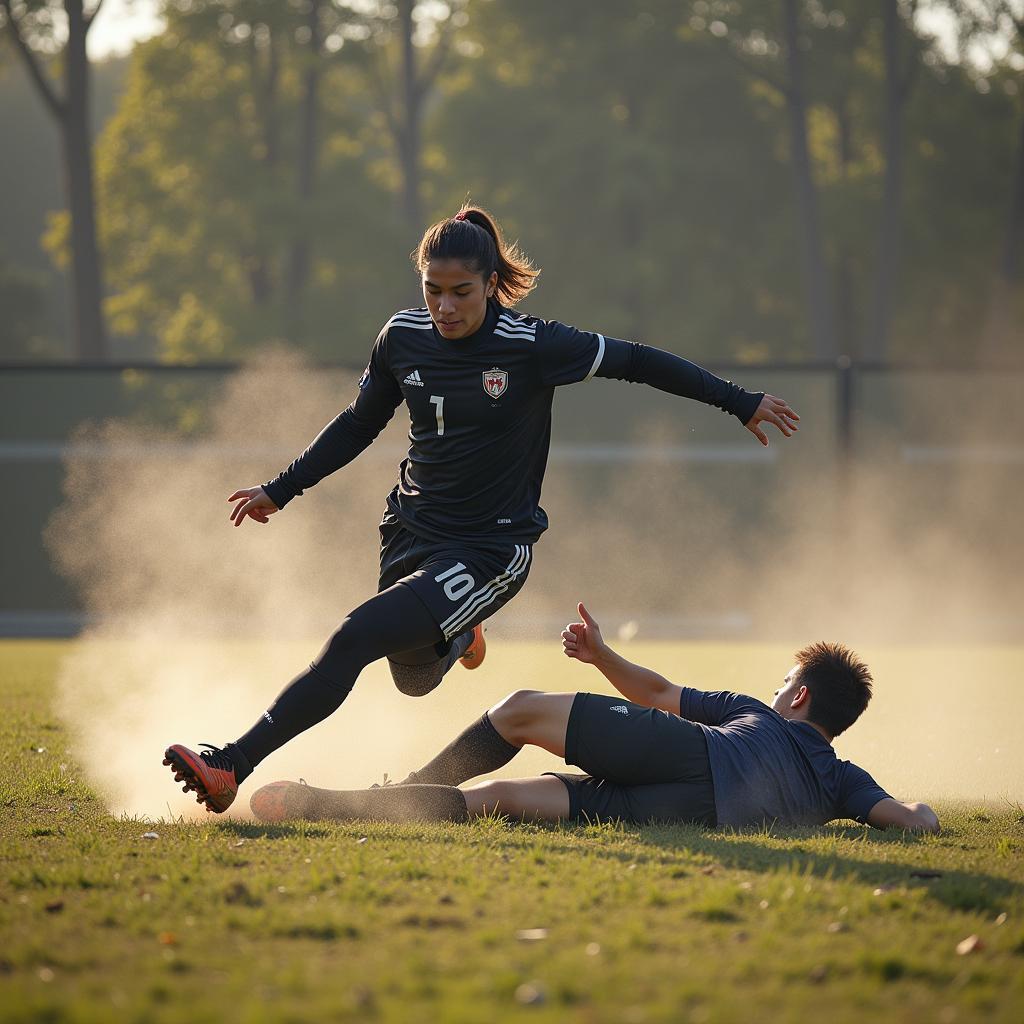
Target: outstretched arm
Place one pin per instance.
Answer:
(582, 641)
(569, 356)
(335, 446)
(643, 364)
(914, 817)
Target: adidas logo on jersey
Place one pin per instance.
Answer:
(621, 708)
(414, 379)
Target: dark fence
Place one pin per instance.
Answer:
(905, 467)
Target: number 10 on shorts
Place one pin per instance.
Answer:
(457, 585)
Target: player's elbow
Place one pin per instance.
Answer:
(666, 697)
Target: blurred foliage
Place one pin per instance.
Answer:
(195, 187)
(22, 326)
(30, 186)
(639, 151)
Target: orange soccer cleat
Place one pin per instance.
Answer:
(210, 775)
(476, 651)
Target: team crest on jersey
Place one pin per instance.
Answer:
(495, 382)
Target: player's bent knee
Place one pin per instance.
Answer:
(415, 680)
(516, 703)
(513, 715)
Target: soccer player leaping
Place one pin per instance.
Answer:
(458, 531)
(665, 753)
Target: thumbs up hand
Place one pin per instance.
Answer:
(583, 640)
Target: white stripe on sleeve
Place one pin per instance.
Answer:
(597, 361)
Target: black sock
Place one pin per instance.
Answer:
(387, 803)
(309, 698)
(480, 749)
(243, 766)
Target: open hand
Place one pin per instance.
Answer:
(252, 503)
(583, 640)
(775, 411)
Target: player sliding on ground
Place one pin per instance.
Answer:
(458, 532)
(665, 753)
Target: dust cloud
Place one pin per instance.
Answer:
(196, 626)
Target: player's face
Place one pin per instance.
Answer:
(787, 691)
(456, 296)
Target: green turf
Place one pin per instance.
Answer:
(234, 921)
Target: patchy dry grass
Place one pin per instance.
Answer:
(376, 922)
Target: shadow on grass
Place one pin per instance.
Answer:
(292, 830)
(954, 888)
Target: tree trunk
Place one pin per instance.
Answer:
(887, 258)
(72, 116)
(816, 283)
(86, 272)
(1014, 240)
(845, 306)
(409, 127)
(301, 251)
(1002, 341)
(264, 92)
(631, 214)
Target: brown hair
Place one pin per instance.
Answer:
(839, 684)
(473, 237)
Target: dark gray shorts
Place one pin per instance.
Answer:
(642, 764)
(460, 585)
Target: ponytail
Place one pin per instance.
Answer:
(473, 237)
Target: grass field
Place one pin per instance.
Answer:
(222, 919)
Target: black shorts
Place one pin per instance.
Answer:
(460, 585)
(642, 764)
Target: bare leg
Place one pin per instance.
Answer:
(529, 716)
(543, 798)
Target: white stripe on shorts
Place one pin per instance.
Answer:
(456, 622)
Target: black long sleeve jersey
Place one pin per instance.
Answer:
(480, 417)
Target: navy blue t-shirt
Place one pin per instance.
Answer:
(480, 416)
(768, 768)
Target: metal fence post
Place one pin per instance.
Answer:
(844, 450)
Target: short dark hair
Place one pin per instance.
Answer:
(474, 237)
(839, 684)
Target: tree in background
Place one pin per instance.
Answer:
(773, 42)
(635, 168)
(898, 138)
(33, 26)
(259, 178)
(406, 48)
(249, 174)
(311, 36)
(901, 61)
(990, 30)
(244, 176)
(22, 298)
